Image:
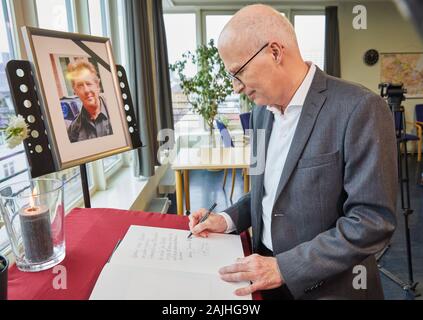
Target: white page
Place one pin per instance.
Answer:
(171, 250)
(119, 282)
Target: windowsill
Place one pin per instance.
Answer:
(122, 191)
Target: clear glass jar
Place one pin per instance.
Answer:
(33, 213)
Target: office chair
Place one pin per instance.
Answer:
(399, 123)
(419, 128)
(227, 143)
(245, 121)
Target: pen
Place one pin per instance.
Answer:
(204, 218)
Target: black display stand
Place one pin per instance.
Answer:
(37, 145)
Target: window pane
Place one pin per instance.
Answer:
(310, 31)
(53, 15)
(215, 25)
(109, 162)
(181, 37)
(122, 35)
(13, 165)
(96, 17)
(230, 109)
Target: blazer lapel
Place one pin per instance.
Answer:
(267, 125)
(311, 109)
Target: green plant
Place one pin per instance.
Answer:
(209, 86)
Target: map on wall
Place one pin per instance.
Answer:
(406, 68)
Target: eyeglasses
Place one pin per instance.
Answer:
(234, 77)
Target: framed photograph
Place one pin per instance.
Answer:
(79, 90)
(406, 68)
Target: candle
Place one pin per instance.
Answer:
(36, 233)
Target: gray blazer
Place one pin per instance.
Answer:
(336, 199)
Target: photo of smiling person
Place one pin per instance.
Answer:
(93, 120)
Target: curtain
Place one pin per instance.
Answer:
(332, 51)
(149, 77)
(164, 95)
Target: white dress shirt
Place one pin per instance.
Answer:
(283, 131)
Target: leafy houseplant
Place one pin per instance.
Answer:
(209, 86)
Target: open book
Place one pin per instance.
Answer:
(162, 264)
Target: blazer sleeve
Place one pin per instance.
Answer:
(240, 213)
(368, 221)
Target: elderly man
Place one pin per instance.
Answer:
(326, 201)
(93, 120)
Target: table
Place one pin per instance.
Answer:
(91, 236)
(207, 159)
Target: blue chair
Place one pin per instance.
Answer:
(227, 143)
(419, 128)
(226, 136)
(399, 126)
(245, 121)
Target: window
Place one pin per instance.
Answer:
(230, 109)
(215, 25)
(55, 14)
(9, 169)
(98, 22)
(122, 35)
(310, 31)
(181, 37)
(112, 161)
(13, 162)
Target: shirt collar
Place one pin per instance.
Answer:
(103, 111)
(301, 94)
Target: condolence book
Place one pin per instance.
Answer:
(162, 264)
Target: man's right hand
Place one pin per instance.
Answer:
(215, 223)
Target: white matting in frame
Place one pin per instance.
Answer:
(42, 49)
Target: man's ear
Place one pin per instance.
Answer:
(277, 50)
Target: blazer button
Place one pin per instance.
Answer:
(279, 214)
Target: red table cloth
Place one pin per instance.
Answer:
(91, 237)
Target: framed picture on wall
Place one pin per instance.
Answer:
(406, 68)
(79, 90)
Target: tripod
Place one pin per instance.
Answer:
(395, 97)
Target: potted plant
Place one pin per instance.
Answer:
(4, 264)
(209, 87)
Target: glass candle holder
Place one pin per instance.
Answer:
(33, 213)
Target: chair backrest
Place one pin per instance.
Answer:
(226, 136)
(398, 121)
(419, 112)
(245, 121)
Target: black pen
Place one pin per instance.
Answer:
(205, 217)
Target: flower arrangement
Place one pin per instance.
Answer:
(16, 131)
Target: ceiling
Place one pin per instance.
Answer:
(223, 3)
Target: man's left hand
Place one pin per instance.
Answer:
(263, 272)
